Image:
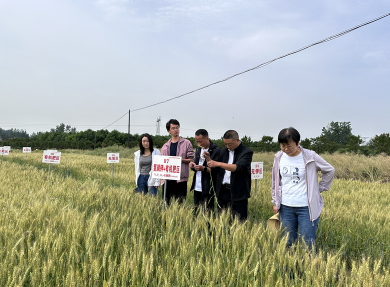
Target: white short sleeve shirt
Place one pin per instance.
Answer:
(294, 189)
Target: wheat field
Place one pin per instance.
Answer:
(80, 228)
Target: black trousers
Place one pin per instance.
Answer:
(175, 190)
(238, 208)
(202, 199)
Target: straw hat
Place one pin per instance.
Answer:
(274, 222)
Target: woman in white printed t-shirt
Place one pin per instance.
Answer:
(143, 160)
(296, 192)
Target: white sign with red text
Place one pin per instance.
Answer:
(113, 158)
(256, 170)
(166, 167)
(26, 149)
(50, 156)
(8, 147)
(4, 150)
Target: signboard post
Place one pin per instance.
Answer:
(51, 156)
(27, 150)
(256, 173)
(166, 167)
(4, 151)
(113, 158)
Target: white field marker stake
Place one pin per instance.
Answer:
(4, 151)
(113, 158)
(256, 173)
(51, 156)
(26, 150)
(166, 167)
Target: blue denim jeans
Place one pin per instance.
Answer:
(143, 187)
(294, 218)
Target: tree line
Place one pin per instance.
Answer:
(335, 137)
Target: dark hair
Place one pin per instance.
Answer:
(172, 121)
(202, 132)
(230, 134)
(289, 133)
(142, 149)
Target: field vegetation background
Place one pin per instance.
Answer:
(336, 137)
(81, 228)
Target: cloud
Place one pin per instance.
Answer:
(270, 42)
(376, 57)
(198, 9)
(112, 7)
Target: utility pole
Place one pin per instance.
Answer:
(128, 133)
(158, 126)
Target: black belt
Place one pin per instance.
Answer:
(226, 185)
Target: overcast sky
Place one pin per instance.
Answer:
(86, 63)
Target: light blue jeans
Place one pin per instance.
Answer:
(142, 184)
(294, 218)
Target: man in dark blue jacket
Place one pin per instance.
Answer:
(233, 187)
(205, 178)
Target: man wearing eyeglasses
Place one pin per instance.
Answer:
(178, 146)
(233, 186)
(203, 182)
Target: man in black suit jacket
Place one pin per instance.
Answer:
(205, 178)
(233, 187)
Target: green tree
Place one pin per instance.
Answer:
(13, 133)
(306, 143)
(266, 144)
(114, 138)
(332, 147)
(381, 143)
(337, 132)
(354, 143)
(246, 141)
(319, 144)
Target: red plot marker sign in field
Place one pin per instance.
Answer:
(50, 156)
(256, 172)
(113, 158)
(26, 149)
(166, 167)
(4, 150)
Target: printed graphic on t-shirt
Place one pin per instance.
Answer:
(291, 174)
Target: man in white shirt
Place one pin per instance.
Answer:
(233, 186)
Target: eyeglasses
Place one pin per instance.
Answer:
(287, 147)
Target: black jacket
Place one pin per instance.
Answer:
(214, 151)
(240, 180)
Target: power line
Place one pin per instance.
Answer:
(258, 66)
(269, 62)
(116, 120)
